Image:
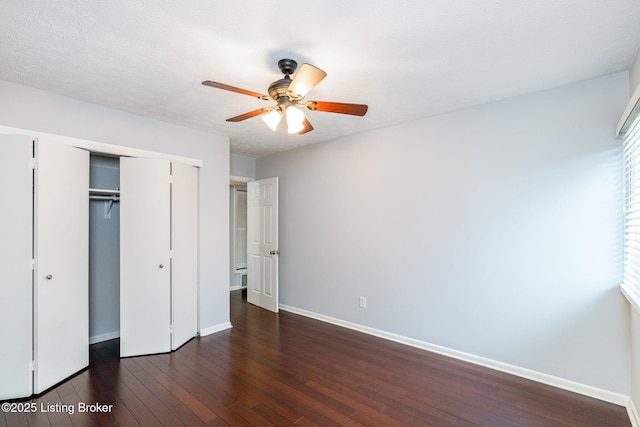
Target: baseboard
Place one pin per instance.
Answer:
(235, 288)
(586, 390)
(104, 337)
(633, 414)
(204, 332)
(215, 328)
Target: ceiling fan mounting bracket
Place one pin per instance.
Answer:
(287, 66)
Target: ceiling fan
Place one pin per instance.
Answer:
(288, 95)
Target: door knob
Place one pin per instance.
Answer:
(49, 277)
(161, 266)
(275, 252)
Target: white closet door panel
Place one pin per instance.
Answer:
(145, 270)
(15, 264)
(262, 243)
(62, 260)
(184, 245)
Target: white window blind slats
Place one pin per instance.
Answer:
(632, 220)
(631, 178)
(632, 280)
(631, 229)
(632, 259)
(632, 264)
(631, 208)
(633, 244)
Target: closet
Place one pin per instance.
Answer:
(44, 253)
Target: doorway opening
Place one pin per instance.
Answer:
(104, 248)
(254, 237)
(238, 233)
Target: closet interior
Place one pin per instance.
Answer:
(104, 248)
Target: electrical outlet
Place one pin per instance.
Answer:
(363, 302)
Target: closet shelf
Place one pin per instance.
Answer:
(112, 198)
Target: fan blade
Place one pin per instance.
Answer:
(307, 127)
(234, 89)
(338, 107)
(250, 114)
(306, 79)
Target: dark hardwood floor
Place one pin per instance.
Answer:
(283, 369)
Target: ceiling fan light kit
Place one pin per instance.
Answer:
(272, 119)
(288, 95)
(295, 118)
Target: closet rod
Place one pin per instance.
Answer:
(109, 198)
(103, 191)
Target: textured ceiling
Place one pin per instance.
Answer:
(405, 59)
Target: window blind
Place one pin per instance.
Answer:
(631, 209)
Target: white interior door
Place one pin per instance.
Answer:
(262, 243)
(62, 262)
(184, 249)
(16, 238)
(145, 272)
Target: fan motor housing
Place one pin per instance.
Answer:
(279, 88)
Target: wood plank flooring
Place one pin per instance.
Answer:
(283, 369)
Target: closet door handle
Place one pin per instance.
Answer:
(49, 277)
(161, 266)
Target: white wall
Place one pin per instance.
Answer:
(28, 108)
(243, 166)
(494, 231)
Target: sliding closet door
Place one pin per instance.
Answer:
(62, 260)
(145, 264)
(184, 245)
(16, 182)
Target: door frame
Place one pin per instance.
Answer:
(240, 179)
